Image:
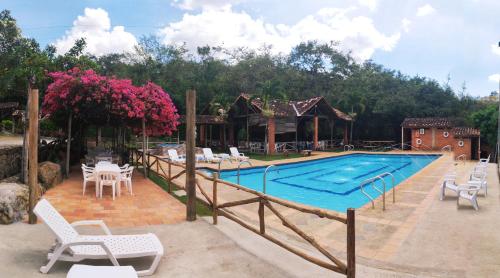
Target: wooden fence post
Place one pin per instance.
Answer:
(33, 153)
(214, 197)
(169, 177)
(351, 244)
(190, 155)
(261, 217)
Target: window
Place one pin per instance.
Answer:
(460, 143)
(422, 131)
(446, 134)
(419, 141)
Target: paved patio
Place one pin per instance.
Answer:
(150, 205)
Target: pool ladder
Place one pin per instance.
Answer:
(381, 191)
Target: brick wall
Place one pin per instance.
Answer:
(466, 149)
(440, 141)
(432, 138)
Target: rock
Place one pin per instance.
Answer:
(49, 174)
(14, 200)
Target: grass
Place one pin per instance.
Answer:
(265, 157)
(201, 209)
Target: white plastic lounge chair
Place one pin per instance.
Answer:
(235, 154)
(88, 176)
(485, 160)
(109, 178)
(174, 157)
(468, 192)
(86, 271)
(209, 156)
(73, 247)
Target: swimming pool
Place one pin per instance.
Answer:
(331, 183)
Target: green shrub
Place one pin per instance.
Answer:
(7, 125)
(47, 127)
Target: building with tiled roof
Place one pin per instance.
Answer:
(250, 119)
(441, 134)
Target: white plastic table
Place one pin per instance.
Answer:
(106, 167)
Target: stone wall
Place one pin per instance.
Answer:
(10, 161)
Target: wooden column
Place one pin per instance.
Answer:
(190, 155)
(346, 132)
(33, 153)
(315, 135)
(68, 144)
(351, 244)
(202, 135)
(271, 136)
(231, 134)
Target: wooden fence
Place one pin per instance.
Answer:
(154, 164)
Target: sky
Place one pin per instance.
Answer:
(435, 39)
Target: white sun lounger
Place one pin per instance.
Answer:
(209, 156)
(235, 154)
(73, 247)
(86, 271)
(172, 154)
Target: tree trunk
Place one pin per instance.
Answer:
(144, 148)
(68, 144)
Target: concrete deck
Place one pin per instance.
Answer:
(405, 237)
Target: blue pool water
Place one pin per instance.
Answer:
(331, 183)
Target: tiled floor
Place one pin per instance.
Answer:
(149, 205)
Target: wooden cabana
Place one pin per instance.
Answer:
(210, 130)
(283, 121)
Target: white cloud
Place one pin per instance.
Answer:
(235, 29)
(426, 9)
(405, 24)
(205, 4)
(495, 49)
(95, 26)
(370, 4)
(494, 78)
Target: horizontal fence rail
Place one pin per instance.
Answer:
(156, 163)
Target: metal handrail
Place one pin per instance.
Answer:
(365, 182)
(349, 147)
(220, 161)
(393, 180)
(264, 178)
(382, 192)
(462, 157)
(239, 166)
(446, 148)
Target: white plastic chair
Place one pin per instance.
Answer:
(174, 157)
(448, 184)
(88, 176)
(479, 177)
(209, 156)
(235, 154)
(468, 192)
(108, 178)
(74, 247)
(126, 177)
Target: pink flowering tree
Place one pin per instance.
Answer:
(90, 98)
